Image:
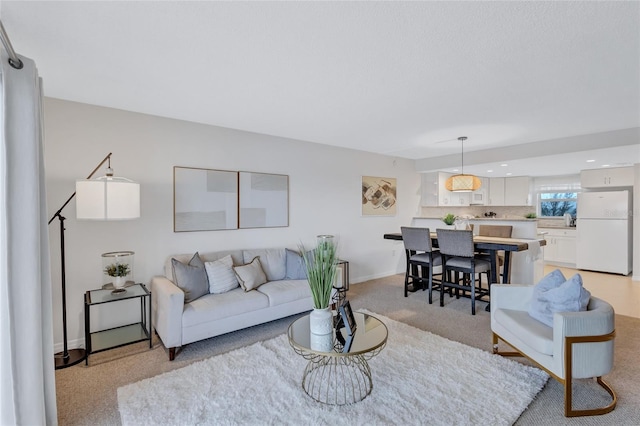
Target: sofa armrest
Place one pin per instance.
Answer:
(168, 304)
(511, 296)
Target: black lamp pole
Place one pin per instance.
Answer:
(67, 357)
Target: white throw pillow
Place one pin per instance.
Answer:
(221, 275)
(552, 294)
(251, 275)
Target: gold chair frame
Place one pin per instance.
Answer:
(568, 368)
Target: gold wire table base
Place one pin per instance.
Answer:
(337, 380)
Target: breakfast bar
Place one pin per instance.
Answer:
(492, 245)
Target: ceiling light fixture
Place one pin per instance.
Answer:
(591, 161)
(462, 182)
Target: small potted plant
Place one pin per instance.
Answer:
(531, 215)
(119, 272)
(449, 219)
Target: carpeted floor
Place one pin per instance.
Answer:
(87, 395)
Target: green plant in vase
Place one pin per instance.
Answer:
(531, 216)
(321, 273)
(449, 219)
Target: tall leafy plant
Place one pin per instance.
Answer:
(321, 271)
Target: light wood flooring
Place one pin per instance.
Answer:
(620, 291)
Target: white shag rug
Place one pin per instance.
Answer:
(419, 378)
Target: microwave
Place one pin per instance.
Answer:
(478, 197)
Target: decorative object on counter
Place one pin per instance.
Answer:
(462, 182)
(379, 196)
(321, 273)
(118, 267)
(490, 214)
(449, 219)
(105, 198)
(531, 215)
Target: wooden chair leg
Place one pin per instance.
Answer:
(172, 354)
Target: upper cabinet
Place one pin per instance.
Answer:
(601, 178)
(517, 191)
(511, 191)
(496, 192)
(435, 194)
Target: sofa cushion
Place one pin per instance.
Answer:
(251, 275)
(285, 291)
(221, 275)
(569, 296)
(191, 278)
(273, 261)
(212, 307)
(296, 268)
(534, 333)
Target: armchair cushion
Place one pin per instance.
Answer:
(552, 294)
(539, 336)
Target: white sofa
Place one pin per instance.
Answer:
(179, 323)
(578, 346)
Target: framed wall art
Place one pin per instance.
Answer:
(378, 196)
(204, 199)
(264, 200)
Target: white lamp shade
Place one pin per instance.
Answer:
(107, 198)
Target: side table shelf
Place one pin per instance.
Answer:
(102, 340)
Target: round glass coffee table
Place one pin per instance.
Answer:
(338, 372)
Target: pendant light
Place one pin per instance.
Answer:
(462, 182)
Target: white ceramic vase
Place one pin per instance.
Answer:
(119, 282)
(322, 342)
(321, 321)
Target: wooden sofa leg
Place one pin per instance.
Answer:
(172, 354)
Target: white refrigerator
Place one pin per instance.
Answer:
(604, 237)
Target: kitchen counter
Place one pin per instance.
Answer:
(509, 219)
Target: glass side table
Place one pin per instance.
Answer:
(102, 340)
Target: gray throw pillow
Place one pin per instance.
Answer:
(296, 269)
(191, 278)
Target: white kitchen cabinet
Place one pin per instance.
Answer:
(517, 191)
(479, 196)
(561, 246)
(603, 178)
(434, 193)
(496, 192)
(429, 189)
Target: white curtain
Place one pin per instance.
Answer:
(27, 381)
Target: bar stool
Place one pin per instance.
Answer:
(458, 255)
(420, 256)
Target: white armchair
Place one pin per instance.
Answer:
(579, 346)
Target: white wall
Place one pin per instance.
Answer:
(325, 193)
(636, 223)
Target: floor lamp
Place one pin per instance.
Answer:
(104, 198)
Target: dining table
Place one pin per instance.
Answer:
(489, 245)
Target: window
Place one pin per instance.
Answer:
(554, 204)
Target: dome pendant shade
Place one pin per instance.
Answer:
(462, 183)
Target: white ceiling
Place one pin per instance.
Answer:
(398, 78)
